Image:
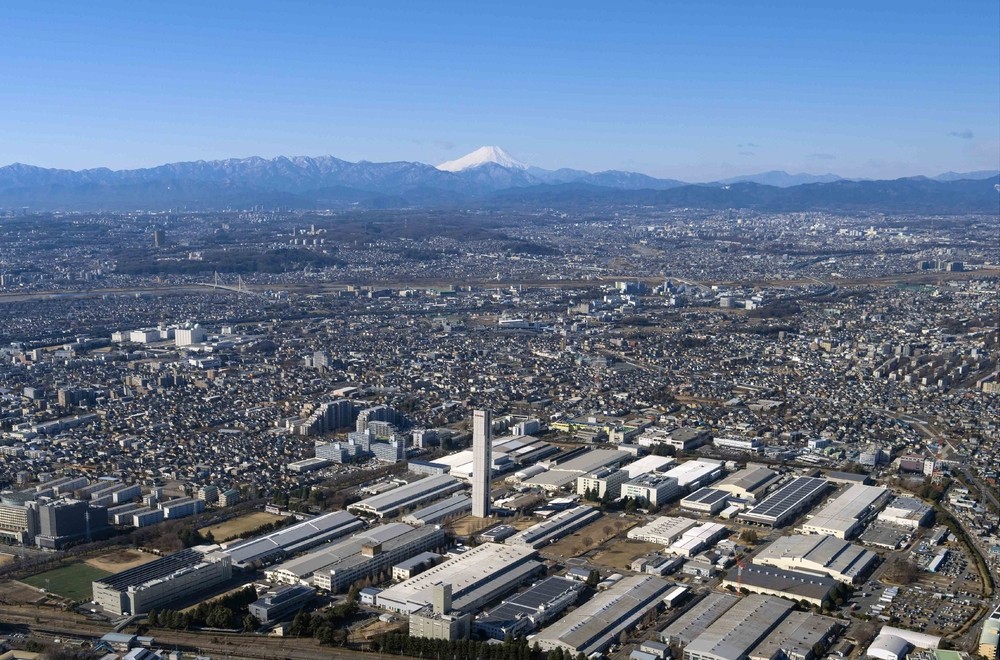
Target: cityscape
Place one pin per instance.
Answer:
(298, 362)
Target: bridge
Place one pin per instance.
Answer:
(240, 288)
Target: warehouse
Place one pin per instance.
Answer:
(162, 582)
(647, 464)
(561, 475)
(848, 512)
(556, 527)
(456, 505)
(386, 505)
(478, 576)
(663, 530)
(708, 501)
(750, 483)
(907, 512)
(524, 612)
(698, 618)
(819, 554)
(786, 503)
(745, 625)
(695, 474)
(793, 585)
(595, 625)
(797, 636)
(291, 540)
(366, 554)
(697, 539)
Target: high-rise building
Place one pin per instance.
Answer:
(159, 237)
(482, 462)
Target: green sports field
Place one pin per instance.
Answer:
(73, 581)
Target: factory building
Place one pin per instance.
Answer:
(787, 502)
(663, 530)
(556, 527)
(696, 620)
(366, 554)
(525, 612)
(161, 583)
(750, 483)
(452, 507)
(793, 585)
(907, 512)
(389, 504)
(708, 501)
(483, 574)
(595, 625)
(744, 625)
(291, 540)
(848, 512)
(821, 555)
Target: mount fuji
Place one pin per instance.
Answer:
(482, 156)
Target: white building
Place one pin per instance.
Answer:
(482, 453)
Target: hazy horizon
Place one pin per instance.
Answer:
(692, 93)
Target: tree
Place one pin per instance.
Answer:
(593, 578)
(250, 622)
(749, 536)
(153, 618)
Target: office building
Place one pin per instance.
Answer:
(281, 602)
(604, 483)
(652, 490)
(482, 459)
(189, 336)
(62, 522)
(161, 583)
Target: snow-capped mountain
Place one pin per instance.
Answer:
(481, 156)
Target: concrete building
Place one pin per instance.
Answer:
(478, 576)
(595, 625)
(697, 538)
(692, 475)
(708, 501)
(848, 512)
(482, 464)
(18, 517)
(743, 627)
(415, 565)
(606, 482)
(663, 530)
(989, 638)
(62, 522)
(438, 620)
(907, 512)
(280, 602)
(652, 490)
(161, 583)
(821, 555)
(181, 507)
(188, 336)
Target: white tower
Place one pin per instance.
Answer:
(482, 462)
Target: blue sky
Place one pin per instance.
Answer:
(692, 90)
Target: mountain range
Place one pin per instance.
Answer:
(487, 177)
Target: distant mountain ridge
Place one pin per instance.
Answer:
(486, 176)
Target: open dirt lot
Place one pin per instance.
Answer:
(5, 558)
(119, 560)
(621, 553)
(239, 525)
(596, 533)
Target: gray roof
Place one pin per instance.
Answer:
(697, 619)
(744, 626)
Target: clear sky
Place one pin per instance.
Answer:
(694, 90)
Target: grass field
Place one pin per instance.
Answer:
(239, 525)
(119, 560)
(73, 581)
